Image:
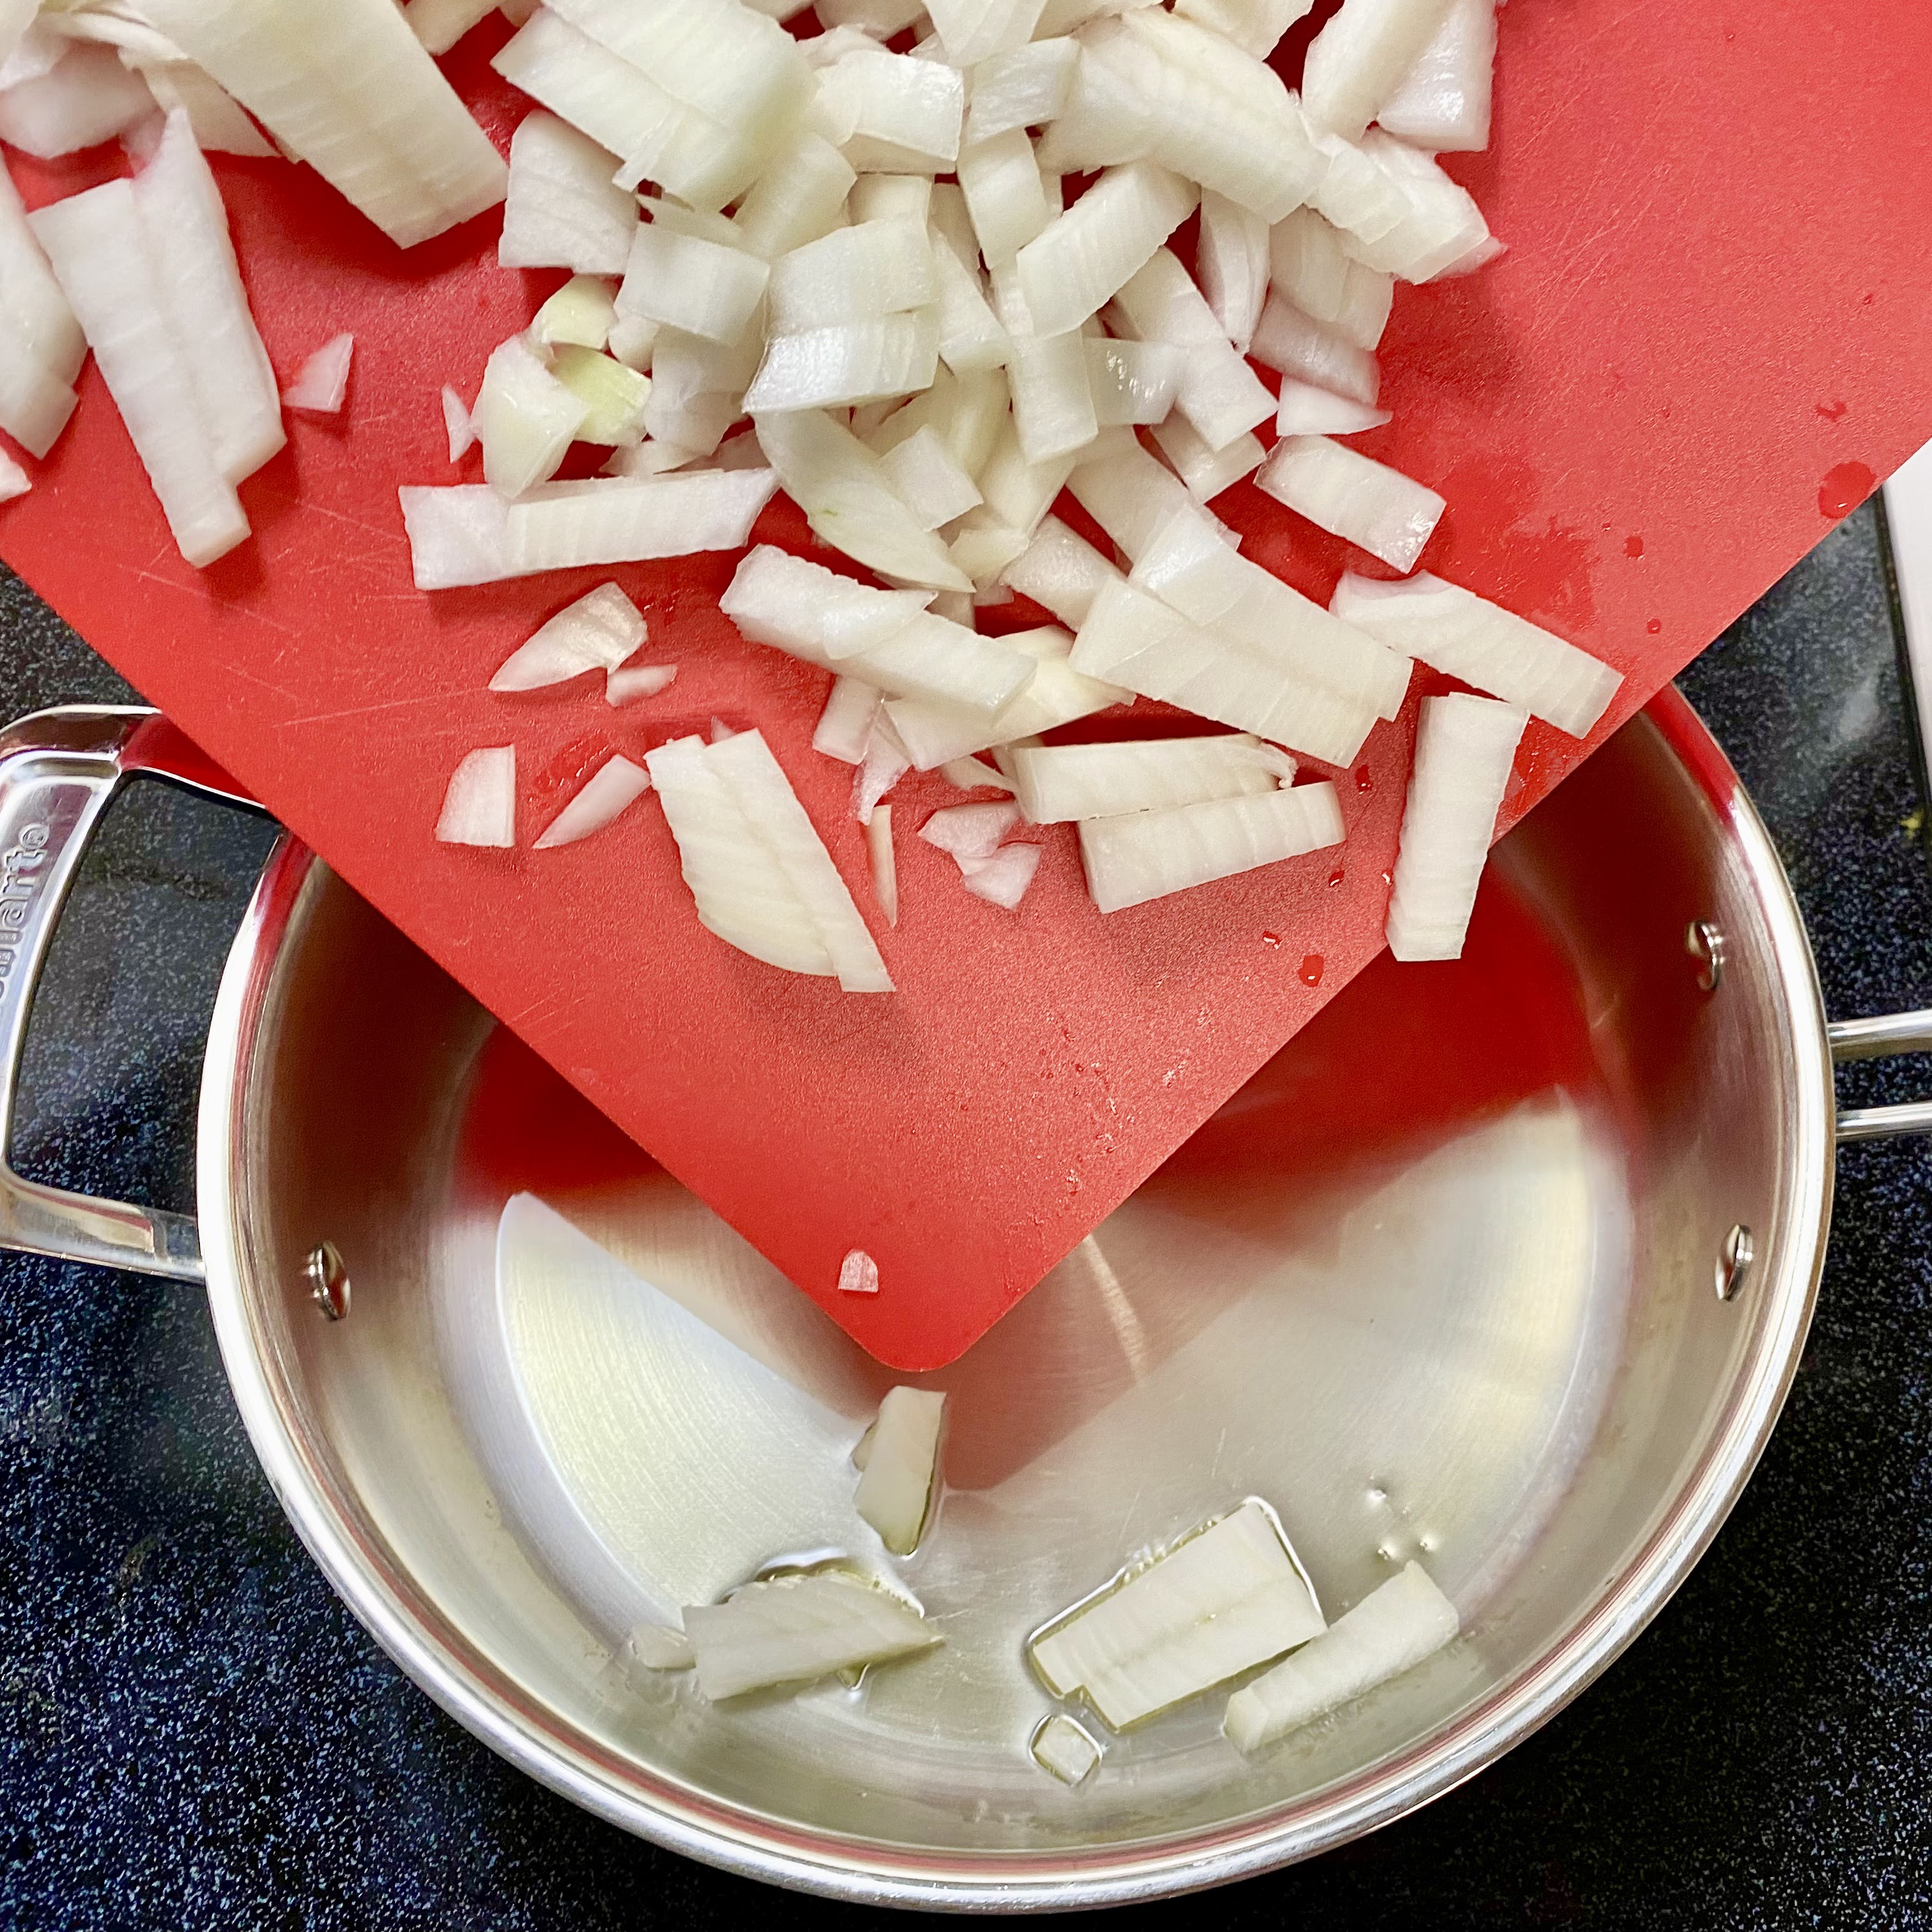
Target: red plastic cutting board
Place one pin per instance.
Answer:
(1712, 335)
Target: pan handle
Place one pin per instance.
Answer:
(59, 770)
(1878, 1039)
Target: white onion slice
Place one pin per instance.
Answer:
(885, 762)
(974, 775)
(972, 31)
(1002, 878)
(970, 831)
(479, 807)
(14, 482)
(322, 383)
(1454, 630)
(905, 114)
(1219, 394)
(858, 1273)
(799, 197)
(1131, 382)
(1052, 399)
(923, 471)
(456, 534)
(1391, 1630)
(1360, 58)
(1402, 214)
(794, 1629)
(880, 857)
(653, 1647)
(1001, 180)
(628, 520)
(17, 17)
(597, 632)
(87, 97)
(1388, 514)
(1077, 264)
(1302, 410)
(1255, 26)
(350, 89)
(971, 337)
(628, 682)
(743, 894)
(1018, 493)
(1129, 639)
(615, 398)
(1057, 783)
(440, 24)
(890, 198)
(633, 340)
(1226, 1597)
(682, 281)
(525, 418)
(1061, 571)
(1299, 346)
(1231, 263)
(1128, 493)
(1060, 1746)
(1024, 87)
(457, 425)
(871, 268)
(1206, 472)
(563, 209)
(220, 125)
(616, 783)
(850, 363)
(845, 729)
(38, 328)
(1190, 569)
(849, 503)
(901, 1467)
(1441, 104)
(697, 386)
(1465, 749)
(798, 606)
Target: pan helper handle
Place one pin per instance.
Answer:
(59, 770)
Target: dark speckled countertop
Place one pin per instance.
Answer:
(194, 1734)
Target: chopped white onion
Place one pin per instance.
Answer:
(633, 340)
(905, 114)
(851, 362)
(597, 632)
(970, 831)
(922, 470)
(615, 785)
(14, 482)
(1403, 215)
(890, 198)
(322, 383)
(1018, 492)
(1441, 104)
(682, 281)
(1392, 1629)
(839, 484)
(858, 1273)
(1000, 177)
(1131, 640)
(1219, 394)
(1002, 878)
(1302, 410)
(653, 1647)
(41, 345)
(799, 197)
(17, 21)
(697, 386)
(1299, 346)
(844, 728)
(1077, 264)
(220, 125)
(902, 1466)
(1255, 26)
(795, 605)
(350, 90)
(873, 269)
(1025, 87)
(1206, 472)
(563, 210)
(1060, 1746)
(525, 418)
(1388, 514)
(1464, 748)
(615, 398)
(1128, 493)
(973, 774)
(972, 31)
(87, 97)
(1052, 399)
(479, 807)
(1131, 382)
(885, 762)
(1058, 783)
(884, 866)
(1454, 630)
(626, 684)
(1360, 58)
(982, 547)
(1226, 1597)
(1061, 571)
(456, 534)
(971, 337)
(579, 315)
(440, 24)
(1232, 265)
(627, 520)
(794, 1629)
(457, 425)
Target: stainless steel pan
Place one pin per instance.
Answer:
(1505, 1266)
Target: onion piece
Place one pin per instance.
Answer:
(905, 114)
(614, 397)
(1001, 180)
(799, 197)
(858, 1274)
(1018, 493)
(633, 340)
(1130, 494)
(17, 18)
(440, 24)
(974, 775)
(1299, 346)
(581, 314)
(1206, 472)
(1391, 1630)
(597, 632)
(885, 762)
(697, 386)
(794, 1629)
(525, 418)
(1057, 783)
(220, 125)
(1465, 749)
(628, 683)
(1062, 1748)
(1402, 215)
(764, 794)
(743, 894)
(87, 97)
(797, 606)
(322, 383)
(616, 783)
(1024, 87)
(1360, 58)
(351, 91)
(935, 488)
(1061, 571)
(848, 502)
(456, 423)
(1131, 382)
(970, 831)
(14, 482)
(653, 1647)
(1255, 26)
(845, 729)
(902, 1466)
(631, 520)
(1130, 639)
(879, 855)
(479, 807)
(1190, 569)
(1441, 104)
(972, 31)
(1077, 264)
(1224, 1597)
(890, 198)
(456, 534)
(683, 281)
(563, 209)
(1232, 264)
(1387, 514)
(1454, 631)
(971, 337)
(38, 328)
(1002, 878)
(1302, 410)
(849, 363)
(1219, 394)
(1052, 400)
(873, 269)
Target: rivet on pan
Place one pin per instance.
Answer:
(1706, 944)
(328, 1280)
(1734, 1261)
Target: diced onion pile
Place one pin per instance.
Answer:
(930, 254)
